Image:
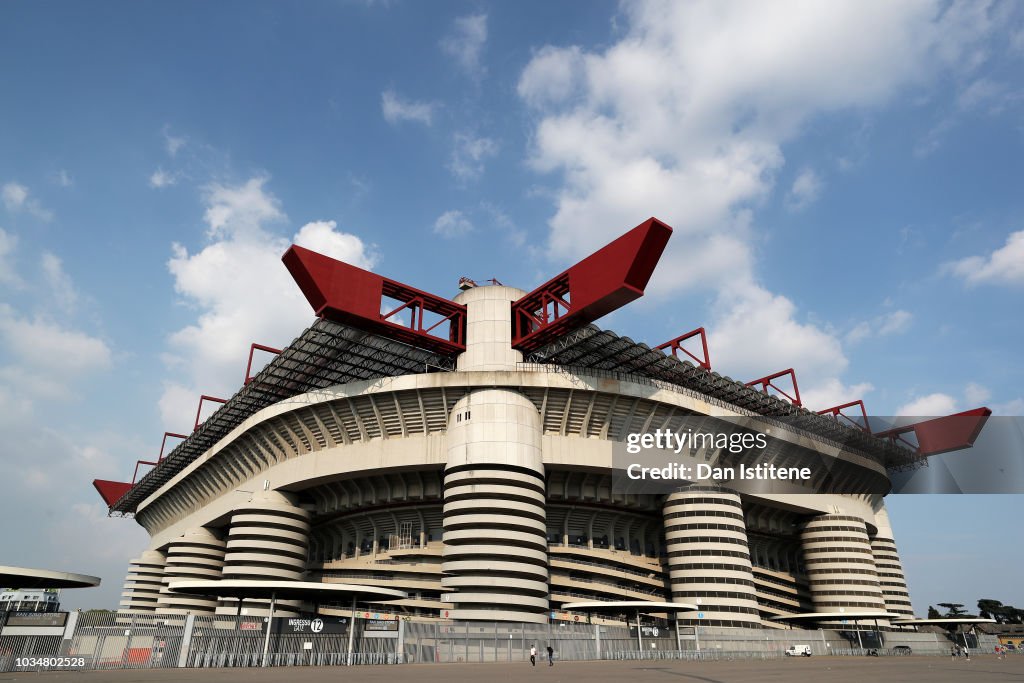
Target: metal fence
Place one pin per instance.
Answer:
(144, 640)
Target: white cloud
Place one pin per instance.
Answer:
(63, 178)
(452, 224)
(63, 291)
(894, 322)
(241, 291)
(685, 117)
(757, 335)
(832, 392)
(173, 143)
(932, 405)
(16, 198)
(396, 110)
(161, 178)
(983, 92)
(504, 224)
(323, 237)
(237, 211)
(552, 77)
(1013, 408)
(469, 155)
(45, 345)
(1004, 266)
(8, 243)
(975, 394)
(805, 190)
(466, 42)
(14, 195)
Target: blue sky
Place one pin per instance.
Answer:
(844, 180)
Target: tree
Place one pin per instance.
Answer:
(953, 609)
(933, 613)
(991, 609)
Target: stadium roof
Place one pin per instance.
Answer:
(592, 348)
(285, 590)
(330, 353)
(22, 577)
(326, 354)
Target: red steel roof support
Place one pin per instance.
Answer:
(111, 491)
(248, 366)
(199, 410)
(942, 434)
(675, 345)
(353, 296)
(837, 412)
(767, 382)
(164, 442)
(606, 280)
(135, 475)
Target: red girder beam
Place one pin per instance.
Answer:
(837, 412)
(676, 345)
(135, 475)
(344, 293)
(606, 280)
(253, 349)
(164, 442)
(943, 434)
(768, 382)
(199, 410)
(111, 491)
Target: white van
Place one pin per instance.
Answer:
(798, 651)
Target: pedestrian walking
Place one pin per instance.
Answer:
(533, 655)
(551, 656)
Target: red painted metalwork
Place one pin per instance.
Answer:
(942, 434)
(675, 345)
(164, 442)
(135, 475)
(837, 412)
(199, 410)
(248, 366)
(347, 294)
(606, 280)
(768, 382)
(111, 491)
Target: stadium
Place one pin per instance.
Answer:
(462, 451)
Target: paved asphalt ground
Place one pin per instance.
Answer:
(811, 670)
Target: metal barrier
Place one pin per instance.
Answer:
(118, 640)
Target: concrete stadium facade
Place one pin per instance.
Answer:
(485, 493)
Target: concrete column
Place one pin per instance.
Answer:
(143, 583)
(198, 554)
(890, 570)
(840, 564)
(489, 329)
(709, 557)
(495, 561)
(268, 540)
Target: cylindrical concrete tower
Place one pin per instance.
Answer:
(840, 565)
(708, 556)
(144, 581)
(489, 328)
(495, 559)
(198, 554)
(268, 540)
(890, 570)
